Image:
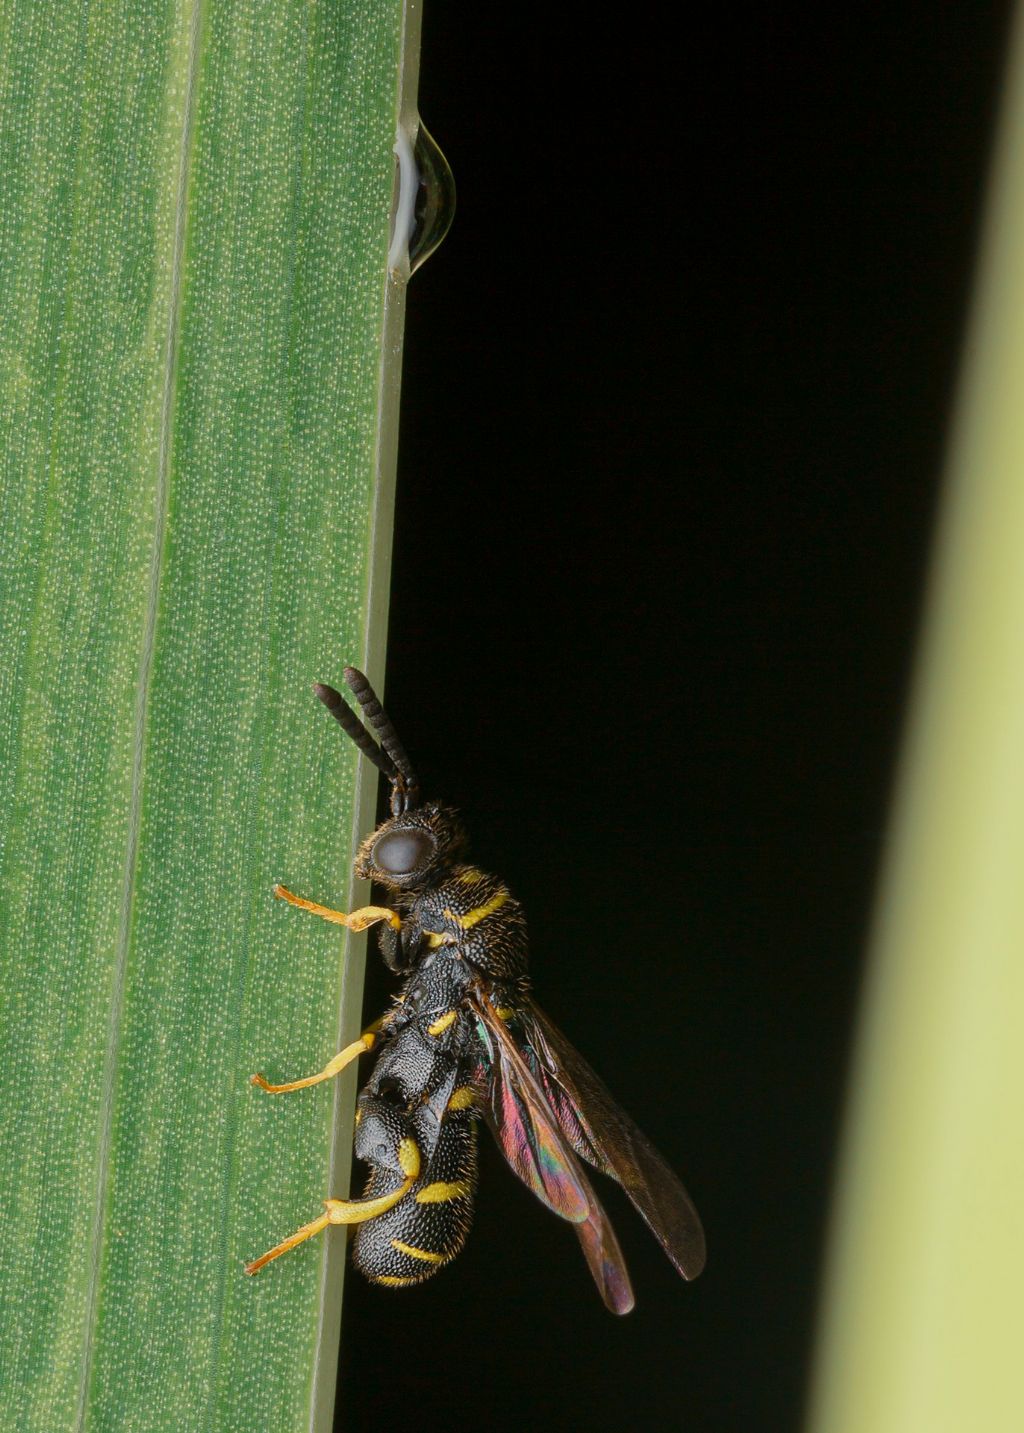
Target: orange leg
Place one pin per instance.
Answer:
(349, 1211)
(361, 919)
(366, 1041)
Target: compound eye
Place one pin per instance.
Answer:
(401, 852)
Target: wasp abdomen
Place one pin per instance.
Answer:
(429, 1225)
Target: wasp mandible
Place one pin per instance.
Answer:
(465, 1038)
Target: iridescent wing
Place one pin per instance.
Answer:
(524, 1124)
(529, 1136)
(604, 1259)
(604, 1135)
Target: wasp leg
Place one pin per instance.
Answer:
(333, 1067)
(361, 919)
(366, 1041)
(350, 1211)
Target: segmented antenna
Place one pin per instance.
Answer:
(390, 757)
(383, 726)
(343, 713)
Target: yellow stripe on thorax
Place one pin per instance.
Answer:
(425, 1254)
(462, 1098)
(478, 913)
(441, 1024)
(470, 876)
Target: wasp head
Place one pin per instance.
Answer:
(406, 851)
(418, 840)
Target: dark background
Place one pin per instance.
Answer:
(676, 390)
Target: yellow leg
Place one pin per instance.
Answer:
(361, 919)
(333, 1067)
(366, 1041)
(349, 1211)
(306, 1232)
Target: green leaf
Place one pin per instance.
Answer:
(920, 1325)
(194, 213)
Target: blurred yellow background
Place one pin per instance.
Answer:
(922, 1323)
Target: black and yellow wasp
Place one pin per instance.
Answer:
(465, 1037)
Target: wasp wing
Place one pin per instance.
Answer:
(604, 1259)
(524, 1125)
(528, 1134)
(604, 1135)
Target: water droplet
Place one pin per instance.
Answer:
(435, 199)
(425, 200)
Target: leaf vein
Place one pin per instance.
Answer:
(148, 642)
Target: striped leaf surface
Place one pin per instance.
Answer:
(194, 210)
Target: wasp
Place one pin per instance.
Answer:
(465, 1039)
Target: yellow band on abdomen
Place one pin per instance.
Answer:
(425, 1254)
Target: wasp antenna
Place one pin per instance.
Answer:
(343, 713)
(384, 727)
